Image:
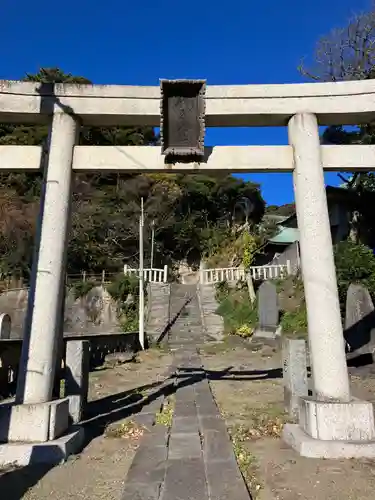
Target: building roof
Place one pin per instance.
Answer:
(285, 236)
(288, 235)
(275, 218)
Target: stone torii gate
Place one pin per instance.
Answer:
(332, 423)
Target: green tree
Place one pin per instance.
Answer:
(354, 264)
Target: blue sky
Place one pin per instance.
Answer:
(128, 42)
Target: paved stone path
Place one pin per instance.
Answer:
(193, 459)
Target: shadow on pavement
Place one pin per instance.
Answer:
(15, 482)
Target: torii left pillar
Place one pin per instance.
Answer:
(35, 417)
(43, 319)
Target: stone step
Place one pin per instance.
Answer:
(213, 323)
(159, 309)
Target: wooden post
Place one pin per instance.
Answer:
(250, 287)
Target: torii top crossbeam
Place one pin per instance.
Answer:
(232, 105)
(341, 103)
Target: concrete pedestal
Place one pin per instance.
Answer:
(34, 422)
(333, 430)
(52, 452)
(37, 433)
(306, 446)
(352, 421)
(266, 334)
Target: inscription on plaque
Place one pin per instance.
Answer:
(182, 124)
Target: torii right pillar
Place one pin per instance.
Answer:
(332, 424)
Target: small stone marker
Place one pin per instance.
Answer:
(359, 320)
(268, 311)
(294, 374)
(77, 376)
(5, 326)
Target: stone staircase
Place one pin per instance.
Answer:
(213, 324)
(184, 312)
(158, 314)
(185, 316)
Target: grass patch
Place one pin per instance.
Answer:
(293, 306)
(62, 388)
(165, 416)
(247, 462)
(295, 322)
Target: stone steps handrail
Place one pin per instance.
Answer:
(152, 275)
(208, 276)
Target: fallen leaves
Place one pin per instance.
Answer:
(126, 430)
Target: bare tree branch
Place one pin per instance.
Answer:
(346, 53)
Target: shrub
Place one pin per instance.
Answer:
(355, 263)
(82, 288)
(122, 286)
(121, 289)
(222, 290)
(238, 312)
(245, 331)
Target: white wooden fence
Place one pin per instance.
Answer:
(151, 275)
(208, 276)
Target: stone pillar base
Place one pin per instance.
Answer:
(52, 452)
(34, 423)
(333, 430)
(266, 334)
(307, 446)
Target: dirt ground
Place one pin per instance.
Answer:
(248, 389)
(99, 472)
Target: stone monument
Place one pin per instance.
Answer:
(359, 322)
(294, 374)
(268, 312)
